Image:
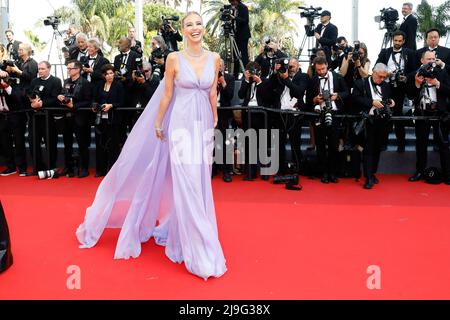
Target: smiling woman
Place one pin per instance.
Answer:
(158, 178)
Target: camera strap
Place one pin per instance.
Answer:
(399, 63)
(375, 89)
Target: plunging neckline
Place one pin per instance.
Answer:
(192, 69)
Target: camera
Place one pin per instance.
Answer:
(429, 70)
(6, 63)
(310, 13)
(47, 174)
(52, 21)
(157, 54)
(35, 94)
(138, 72)
(327, 116)
(290, 181)
(397, 78)
(166, 24)
(227, 13)
(284, 65)
(385, 112)
(389, 16)
(96, 107)
(85, 61)
(254, 72)
(355, 53)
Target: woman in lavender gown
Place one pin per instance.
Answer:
(160, 186)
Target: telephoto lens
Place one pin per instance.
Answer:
(47, 174)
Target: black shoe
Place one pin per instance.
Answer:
(8, 172)
(325, 179)
(401, 148)
(227, 177)
(265, 177)
(369, 183)
(375, 180)
(68, 172)
(83, 173)
(333, 179)
(416, 177)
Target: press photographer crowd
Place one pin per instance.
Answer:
(349, 104)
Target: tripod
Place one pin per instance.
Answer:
(308, 38)
(387, 39)
(231, 52)
(56, 33)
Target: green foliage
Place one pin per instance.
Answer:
(34, 40)
(430, 17)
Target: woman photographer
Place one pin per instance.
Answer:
(356, 65)
(108, 95)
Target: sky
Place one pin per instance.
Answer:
(340, 11)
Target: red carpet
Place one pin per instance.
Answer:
(279, 244)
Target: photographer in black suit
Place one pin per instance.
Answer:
(430, 90)
(400, 62)
(409, 26)
(225, 91)
(242, 34)
(77, 93)
(266, 59)
(79, 51)
(372, 96)
(93, 63)
(326, 93)
(12, 127)
(124, 65)
(108, 95)
(136, 45)
(13, 45)
(170, 35)
(326, 33)
(289, 86)
(43, 94)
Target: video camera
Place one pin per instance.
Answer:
(385, 112)
(389, 16)
(228, 13)
(429, 70)
(52, 21)
(310, 13)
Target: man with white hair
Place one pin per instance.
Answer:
(372, 95)
(80, 51)
(409, 26)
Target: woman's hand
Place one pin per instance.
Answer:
(159, 131)
(216, 119)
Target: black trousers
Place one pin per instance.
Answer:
(422, 139)
(290, 131)
(12, 140)
(327, 146)
(37, 132)
(374, 138)
(225, 122)
(398, 95)
(242, 45)
(106, 146)
(65, 127)
(83, 137)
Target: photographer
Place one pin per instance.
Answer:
(429, 88)
(266, 59)
(170, 35)
(400, 62)
(326, 33)
(290, 86)
(12, 128)
(145, 83)
(242, 34)
(409, 26)
(79, 52)
(25, 69)
(77, 93)
(338, 52)
(43, 95)
(225, 92)
(159, 54)
(432, 37)
(372, 96)
(108, 95)
(254, 92)
(71, 41)
(311, 72)
(136, 45)
(13, 45)
(93, 63)
(326, 93)
(356, 64)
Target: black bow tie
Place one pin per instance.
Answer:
(432, 50)
(90, 58)
(323, 78)
(395, 52)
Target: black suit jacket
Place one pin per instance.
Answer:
(339, 86)
(82, 99)
(442, 53)
(362, 95)
(48, 91)
(329, 36)
(409, 27)
(14, 102)
(73, 54)
(408, 57)
(297, 88)
(242, 23)
(443, 93)
(227, 94)
(130, 66)
(13, 49)
(115, 96)
(97, 76)
(261, 93)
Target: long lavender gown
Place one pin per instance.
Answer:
(168, 182)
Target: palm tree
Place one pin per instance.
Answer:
(433, 17)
